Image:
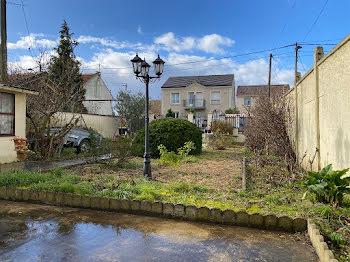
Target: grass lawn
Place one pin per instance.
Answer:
(211, 179)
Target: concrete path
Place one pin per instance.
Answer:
(45, 233)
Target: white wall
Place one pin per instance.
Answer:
(97, 89)
(334, 111)
(7, 146)
(107, 126)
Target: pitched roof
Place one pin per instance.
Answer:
(87, 77)
(259, 90)
(17, 89)
(209, 80)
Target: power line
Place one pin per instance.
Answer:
(206, 60)
(301, 62)
(316, 20)
(27, 27)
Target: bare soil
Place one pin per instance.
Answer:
(216, 169)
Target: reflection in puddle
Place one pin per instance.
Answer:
(42, 233)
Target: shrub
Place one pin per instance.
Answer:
(328, 185)
(170, 113)
(232, 111)
(122, 149)
(173, 133)
(222, 127)
(171, 158)
(267, 130)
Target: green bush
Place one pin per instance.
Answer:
(170, 113)
(328, 185)
(171, 158)
(173, 133)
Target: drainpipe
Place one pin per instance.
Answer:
(318, 54)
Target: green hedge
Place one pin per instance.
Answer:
(173, 133)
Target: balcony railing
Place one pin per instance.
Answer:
(194, 103)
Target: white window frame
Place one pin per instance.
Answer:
(211, 97)
(176, 114)
(250, 101)
(171, 98)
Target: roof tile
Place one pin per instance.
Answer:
(208, 80)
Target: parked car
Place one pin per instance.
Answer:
(79, 138)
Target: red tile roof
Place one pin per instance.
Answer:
(87, 77)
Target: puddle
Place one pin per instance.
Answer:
(43, 233)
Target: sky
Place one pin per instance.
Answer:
(193, 37)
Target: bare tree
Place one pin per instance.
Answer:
(266, 132)
(60, 90)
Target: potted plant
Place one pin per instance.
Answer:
(21, 148)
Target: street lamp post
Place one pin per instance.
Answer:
(142, 67)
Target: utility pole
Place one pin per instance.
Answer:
(125, 85)
(297, 47)
(269, 83)
(3, 49)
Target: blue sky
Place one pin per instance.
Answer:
(181, 31)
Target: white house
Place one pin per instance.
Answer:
(96, 89)
(12, 119)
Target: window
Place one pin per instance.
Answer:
(215, 97)
(7, 114)
(175, 98)
(247, 101)
(191, 98)
(176, 114)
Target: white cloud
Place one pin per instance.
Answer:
(139, 30)
(252, 72)
(32, 41)
(209, 43)
(169, 42)
(86, 39)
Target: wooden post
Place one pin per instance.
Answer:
(244, 178)
(3, 50)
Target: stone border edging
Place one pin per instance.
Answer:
(321, 247)
(145, 207)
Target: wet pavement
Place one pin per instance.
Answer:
(42, 166)
(45, 233)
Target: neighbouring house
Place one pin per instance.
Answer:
(12, 119)
(155, 109)
(100, 115)
(247, 96)
(96, 89)
(207, 97)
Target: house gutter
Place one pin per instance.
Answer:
(18, 90)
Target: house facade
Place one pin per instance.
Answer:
(247, 96)
(96, 89)
(12, 119)
(201, 95)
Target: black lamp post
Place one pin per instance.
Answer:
(142, 67)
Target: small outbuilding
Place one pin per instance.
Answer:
(12, 119)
